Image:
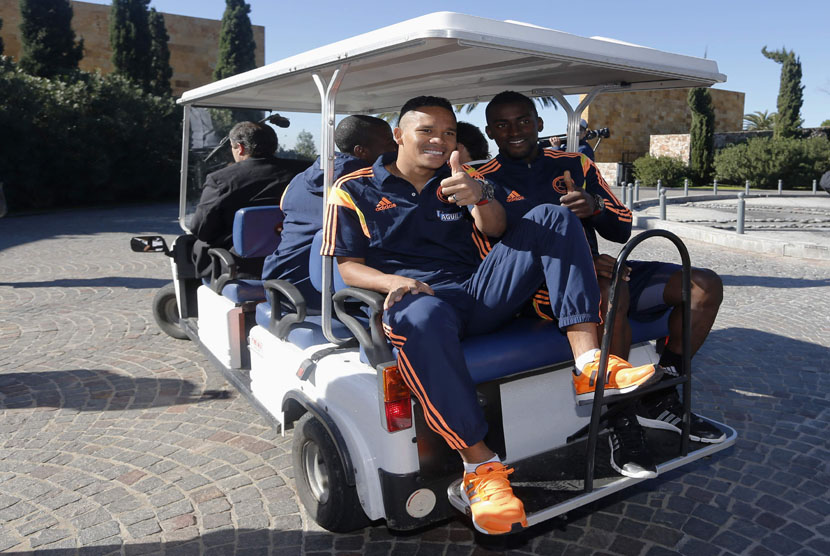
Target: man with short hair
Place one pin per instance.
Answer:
(530, 176)
(584, 147)
(414, 229)
(361, 140)
(257, 178)
(472, 144)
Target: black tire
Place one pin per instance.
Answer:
(321, 479)
(166, 312)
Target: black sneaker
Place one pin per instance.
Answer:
(629, 453)
(666, 413)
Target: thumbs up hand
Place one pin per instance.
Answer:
(460, 188)
(577, 200)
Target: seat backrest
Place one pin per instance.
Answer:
(256, 231)
(315, 266)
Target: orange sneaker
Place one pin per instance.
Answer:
(621, 378)
(493, 506)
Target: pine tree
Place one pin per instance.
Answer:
(160, 70)
(237, 47)
(130, 40)
(48, 42)
(702, 134)
(790, 92)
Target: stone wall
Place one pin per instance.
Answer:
(634, 116)
(675, 145)
(194, 42)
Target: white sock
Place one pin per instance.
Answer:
(471, 467)
(585, 358)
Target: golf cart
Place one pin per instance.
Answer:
(361, 447)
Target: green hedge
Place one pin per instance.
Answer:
(764, 160)
(85, 141)
(648, 169)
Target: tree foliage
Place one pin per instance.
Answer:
(48, 42)
(237, 48)
(759, 121)
(305, 147)
(671, 171)
(130, 40)
(790, 92)
(825, 123)
(765, 160)
(702, 135)
(160, 70)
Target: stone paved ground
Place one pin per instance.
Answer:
(112, 440)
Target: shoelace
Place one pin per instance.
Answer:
(493, 483)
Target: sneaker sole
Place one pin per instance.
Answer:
(515, 527)
(662, 425)
(588, 397)
(644, 474)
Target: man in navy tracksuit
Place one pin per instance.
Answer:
(527, 176)
(361, 140)
(416, 230)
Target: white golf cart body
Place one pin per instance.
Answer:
(402, 476)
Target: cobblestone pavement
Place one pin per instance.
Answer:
(114, 440)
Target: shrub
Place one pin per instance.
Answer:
(765, 160)
(648, 169)
(91, 141)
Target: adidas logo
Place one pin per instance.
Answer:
(514, 196)
(384, 204)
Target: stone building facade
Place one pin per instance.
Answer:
(634, 116)
(194, 41)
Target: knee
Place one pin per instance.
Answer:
(552, 216)
(707, 289)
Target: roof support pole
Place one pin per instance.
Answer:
(183, 168)
(575, 114)
(328, 95)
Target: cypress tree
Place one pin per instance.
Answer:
(1, 38)
(790, 92)
(130, 40)
(47, 39)
(237, 47)
(160, 70)
(702, 134)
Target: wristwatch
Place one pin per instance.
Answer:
(599, 205)
(487, 192)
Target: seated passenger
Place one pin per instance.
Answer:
(257, 178)
(472, 145)
(361, 140)
(535, 176)
(584, 146)
(416, 230)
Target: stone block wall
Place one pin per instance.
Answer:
(634, 116)
(194, 42)
(675, 145)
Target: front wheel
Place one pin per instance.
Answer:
(166, 312)
(321, 479)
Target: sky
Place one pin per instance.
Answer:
(731, 32)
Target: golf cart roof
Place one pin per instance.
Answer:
(461, 57)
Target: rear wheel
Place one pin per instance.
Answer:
(321, 479)
(166, 312)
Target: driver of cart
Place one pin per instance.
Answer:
(361, 140)
(415, 229)
(527, 176)
(257, 178)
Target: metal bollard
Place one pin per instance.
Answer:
(780, 186)
(662, 204)
(715, 186)
(659, 186)
(686, 187)
(630, 203)
(747, 187)
(814, 187)
(636, 190)
(622, 193)
(741, 213)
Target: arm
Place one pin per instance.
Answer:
(613, 221)
(462, 189)
(355, 273)
(207, 220)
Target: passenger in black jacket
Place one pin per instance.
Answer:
(256, 178)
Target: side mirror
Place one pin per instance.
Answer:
(149, 244)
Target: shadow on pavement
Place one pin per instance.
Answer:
(105, 282)
(773, 281)
(97, 390)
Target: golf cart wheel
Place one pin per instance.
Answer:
(166, 312)
(321, 479)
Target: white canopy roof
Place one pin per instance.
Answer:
(460, 57)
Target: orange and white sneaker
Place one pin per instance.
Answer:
(493, 506)
(622, 378)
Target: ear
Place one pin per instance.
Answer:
(487, 131)
(359, 151)
(540, 124)
(397, 133)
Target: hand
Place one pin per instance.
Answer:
(577, 199)
(555, 142)
(604, 266)
(460, 188)
(400, 286)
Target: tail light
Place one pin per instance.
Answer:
(396, 400)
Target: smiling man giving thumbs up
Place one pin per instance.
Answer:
(415, 229)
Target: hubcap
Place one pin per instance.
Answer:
(171, 311)
(316, 472)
